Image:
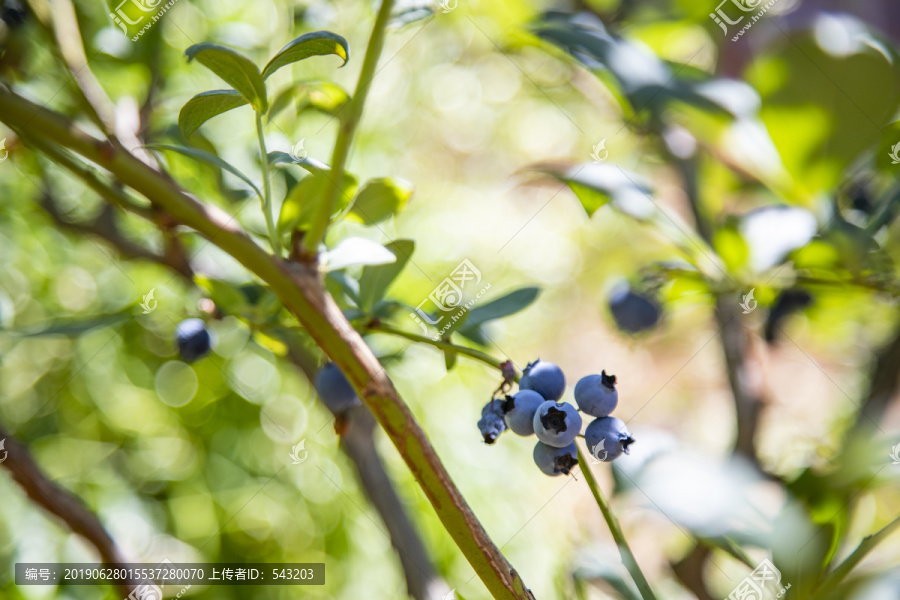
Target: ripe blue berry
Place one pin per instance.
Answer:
(193, 340)
(596, 395)
(545, 378)
(557, 423)
(555, 461)
(491, 424)
(520, 409)
(607, 438)
(334, 389)
(633, 312)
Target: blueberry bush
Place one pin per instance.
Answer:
(272, 271)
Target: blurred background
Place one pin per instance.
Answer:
(191, 462)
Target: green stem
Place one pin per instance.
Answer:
(470, 352)
(274, 239)
(867, 544)
(349, 121)
(613, 523)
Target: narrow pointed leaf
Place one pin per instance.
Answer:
(210, 159)
(235, 69)
(315, 43)
(375, 281)
(502, 307)
(203, 107)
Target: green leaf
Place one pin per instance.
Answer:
(315, 43)
(298, 208)
(323, 96)
(503, 307)
(380, 199)
(203, 107)
(346, 284)
(596, 184)
(235, 69)
(375, 281)
(226, 296)
(356, 251)
(208, 158)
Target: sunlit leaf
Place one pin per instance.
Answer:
(210, 159)
(375, 280)
(202, 107)
(315, 43)
(356, 251)
(380, 199)
(234, 68)
(301, 203)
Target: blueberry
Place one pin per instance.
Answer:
(596, 395)
(633, 312)
(334, 389)
(557, 423)
(555, 461)
(520, 409)
(788, 301)
(545, 378)
(607, 438)
(193, 339)
(492, 424)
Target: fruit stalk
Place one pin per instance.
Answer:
(613, 523)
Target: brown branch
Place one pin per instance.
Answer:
(300, 288)
(357, 440)
(884, 382)
(64, 504)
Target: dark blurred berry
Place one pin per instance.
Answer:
(788, 301)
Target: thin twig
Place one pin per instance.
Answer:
(348, 122)
(62, 503)
(440, 344)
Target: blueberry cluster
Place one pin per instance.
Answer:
(536, 410)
